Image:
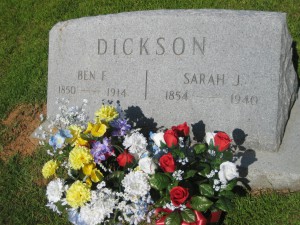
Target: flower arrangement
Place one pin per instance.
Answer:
(105, 172)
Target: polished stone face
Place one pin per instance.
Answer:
(215, 69)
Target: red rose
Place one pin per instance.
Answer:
(125, 158)
(222, 140)
(182, 130)
(167, 163)
(178, 195)
(171, 138)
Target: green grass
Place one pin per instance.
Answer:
(24, 27)
(266, 209)
(22, 200)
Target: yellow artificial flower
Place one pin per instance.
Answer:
(79, 156)
(94, 174)
(88, 182)
(138, 168)
(89, 128)
(98, 129)
(76, 138)
(49, 168)
(78, 194)
(87, 168)
(106, 113)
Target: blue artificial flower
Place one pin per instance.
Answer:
(121, 126)
(56, 141)
(75, 218)
(151, 135)
(65, 133)
(101, 151)
(154, 149)
(144, 155)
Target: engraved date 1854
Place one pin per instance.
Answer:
(176, 95)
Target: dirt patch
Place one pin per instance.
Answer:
(259, 192)
(17, 128)
(41, 182)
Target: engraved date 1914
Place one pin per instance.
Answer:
(116, 92)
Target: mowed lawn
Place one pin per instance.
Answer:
(24, 28)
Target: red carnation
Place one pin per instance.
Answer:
(125, 158)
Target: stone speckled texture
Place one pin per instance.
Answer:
(276, 170)
(216, 69)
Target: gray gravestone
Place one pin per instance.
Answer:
(231, 70)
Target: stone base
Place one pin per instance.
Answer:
(279, 170)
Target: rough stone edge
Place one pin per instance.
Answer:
(276, 170)
(288, 88)
(180, 12)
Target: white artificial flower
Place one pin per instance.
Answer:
(210, 136)
(53, 207)
(227, 172)
(100, 208)
(147, 165)
(55, 190)
(136, 143)
(136, 184)
(158, 138)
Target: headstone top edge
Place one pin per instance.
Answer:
(281, 16)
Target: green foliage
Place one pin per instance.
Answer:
(159, 181)
(201, 203)
(206, 190)
(114, 179)
(224, 204)
(173, 219)
(230, 185)
(204, 168)
(189, 174)
(200, 148)
(188, 215)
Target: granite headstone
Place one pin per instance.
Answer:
(216, 69)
